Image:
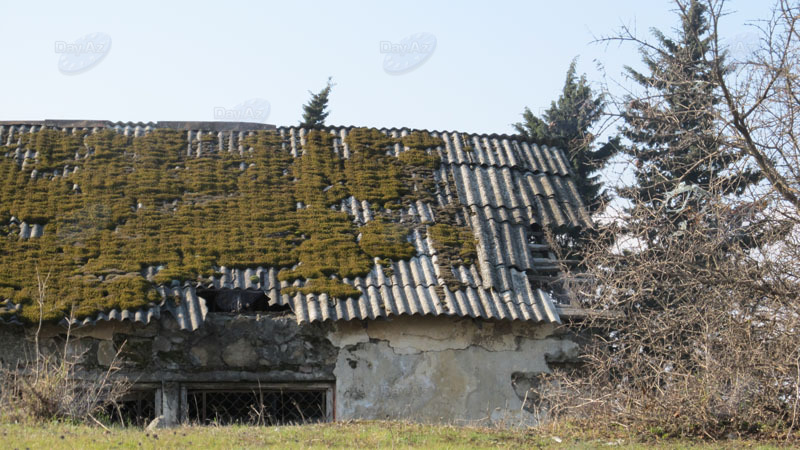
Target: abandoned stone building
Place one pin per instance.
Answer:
(304, 275)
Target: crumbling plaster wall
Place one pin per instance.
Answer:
(429, 369)
(441, 370)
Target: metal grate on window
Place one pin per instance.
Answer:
(137, 408)
(256, 406)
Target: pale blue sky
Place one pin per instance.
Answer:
(180, 60)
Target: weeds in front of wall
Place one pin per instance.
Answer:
(53, 385)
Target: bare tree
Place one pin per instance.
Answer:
(694, 307)
(761, 110)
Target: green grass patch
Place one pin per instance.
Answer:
(360, 434)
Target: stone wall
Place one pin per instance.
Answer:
(430, 369)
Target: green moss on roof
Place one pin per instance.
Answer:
(329, 247)
(383, 239)
(421, 140)
(368, 141)
(334, 288)
(319, 172)
(375, 177)
(142, 201)
(420, 158)
(455, 243)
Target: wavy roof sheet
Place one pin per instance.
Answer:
(504, 187)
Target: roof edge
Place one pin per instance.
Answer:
(175, 125)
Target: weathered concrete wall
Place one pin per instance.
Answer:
(228, 347)
(441, 370)
(417, 368)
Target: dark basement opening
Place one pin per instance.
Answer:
(257, 406)
(136, 408)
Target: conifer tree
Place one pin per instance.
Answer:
(315, 111)
(567, 125)
(672, 125)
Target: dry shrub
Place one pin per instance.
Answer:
(54, 386)
(695, 321)
(693, 294)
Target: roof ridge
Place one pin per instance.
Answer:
(212, 125)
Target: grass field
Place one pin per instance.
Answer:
(350, 435)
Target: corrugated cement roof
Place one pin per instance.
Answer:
(504, 188)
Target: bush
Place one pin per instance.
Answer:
(694, 332)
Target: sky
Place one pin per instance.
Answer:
(467, 66)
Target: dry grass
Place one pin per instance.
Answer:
(51, 385)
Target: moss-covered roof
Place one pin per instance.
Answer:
(109, 214)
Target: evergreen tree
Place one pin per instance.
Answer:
(671, 126)
(566, 125)
(315, 111)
